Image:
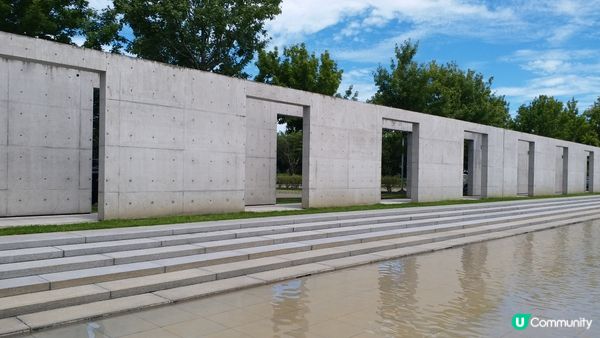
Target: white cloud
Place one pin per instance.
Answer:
(557, 72)
(299, 19)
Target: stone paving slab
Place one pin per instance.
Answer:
(40, 301)
(102, 274)
(19, 285)
(133, 256)
(12, 326)
(104, 247)
(208, 288)
(30, 254)
(70, 314)
(291, 272)
(197, 261)
(235, 269)
(151, 283)
(275, 249)
(52, 265)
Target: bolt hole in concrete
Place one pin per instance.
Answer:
(469, 291)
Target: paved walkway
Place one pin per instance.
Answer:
(6, 222)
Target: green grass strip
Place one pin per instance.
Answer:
(122, 223)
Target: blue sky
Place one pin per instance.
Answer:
(529, 47)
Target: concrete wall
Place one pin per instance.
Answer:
(45, 138)
(177, 141)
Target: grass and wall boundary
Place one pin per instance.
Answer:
(124, 223)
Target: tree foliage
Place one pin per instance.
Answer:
(299, 69)
(547, 116)
(57, 20)
(219, 35)
(289, 152)
(443, 90)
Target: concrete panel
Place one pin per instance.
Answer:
(201, 202)
(151, 126)
(209, 171)
(150, 170)
(42, 202)
(148, 204)
(43, 169)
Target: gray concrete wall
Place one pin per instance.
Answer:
(45, 138)
(177, 141)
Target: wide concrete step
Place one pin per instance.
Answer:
(131, 279)
(43, 309)
(306, 240)
(23, 255)
(105, 235)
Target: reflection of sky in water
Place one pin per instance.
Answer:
(289, 290)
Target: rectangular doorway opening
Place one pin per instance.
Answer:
(395, 165)
(474, 175)
(275, 155)
(399, 161)
(525, 168)
(95, 148)
(561, 170)
(289, 160)
(589, 172)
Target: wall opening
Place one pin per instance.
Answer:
(399, 161)
(275, 154)
(561, 170)
(95, 148)
(589, 172)
(474, 175)
(289, 145)
(525, 168)
(395, 166)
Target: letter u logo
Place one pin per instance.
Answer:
(520, 321)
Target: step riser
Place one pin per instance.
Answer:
(79, 237)
(272, 233)
(212, 247)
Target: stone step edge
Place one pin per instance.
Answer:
(526, 223)
(37, 321)
(79, 237)
(483, 223)
(51, 251)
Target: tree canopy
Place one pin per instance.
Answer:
(546, 116)
(297, 68)
(443, 90)
(220, 36)
(57, 20)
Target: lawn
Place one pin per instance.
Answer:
(110, 224)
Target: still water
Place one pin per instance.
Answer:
(471, 291)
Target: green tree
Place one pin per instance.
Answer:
(289, 152)
(57, 20)
(547, 116)
(443, 90)
(102, 29)
(592, 116)
(297, 68)
(219, 35)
